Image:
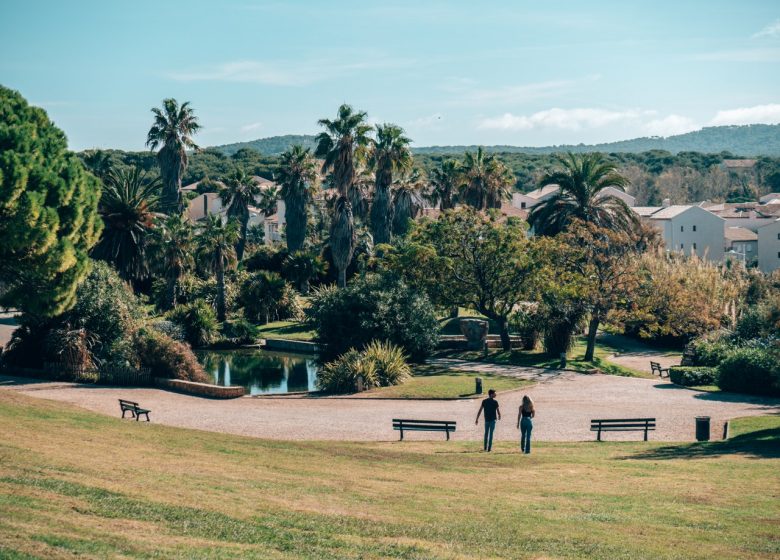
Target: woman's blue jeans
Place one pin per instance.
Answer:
(526, 425)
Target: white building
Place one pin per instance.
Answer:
(531, 199)
(769, 247)
(690, 230)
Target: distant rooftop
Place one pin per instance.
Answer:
(671, 211)
(740, 234)
(739, 163)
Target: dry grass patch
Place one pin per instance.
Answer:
(78, 483)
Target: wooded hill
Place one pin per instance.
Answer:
(747, 140)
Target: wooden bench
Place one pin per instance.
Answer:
(658, 370)
(424, 426)
(622, 425)
(133, 408)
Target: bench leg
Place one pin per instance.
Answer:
(448, 435)
(645, 433)
(123, 413)
(402, 434)
(598, 435)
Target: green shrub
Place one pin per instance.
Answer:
(168, 358)
(691, 376)
(341, 375)
(240, 331)
(527, 323)
(198, 321)
(107, 309)
(266, 258)
(390, 363)
(266, 296)
(373, 308)
(751, 370)
(711, 352)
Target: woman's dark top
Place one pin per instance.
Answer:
(526, 414)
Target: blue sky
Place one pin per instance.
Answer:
(521, 73)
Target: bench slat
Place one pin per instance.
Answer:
(424, 421)
(604, 420)
(642, 429)
(421, 429)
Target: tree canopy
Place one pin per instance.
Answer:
(48, 211)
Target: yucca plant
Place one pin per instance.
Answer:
(389, 361)
(341, 375)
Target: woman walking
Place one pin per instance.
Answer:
(524, 422)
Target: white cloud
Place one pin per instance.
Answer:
(566, 119)
(251, 126)
(671, 125)
(764, 114)
(771, 30)
(283, 73)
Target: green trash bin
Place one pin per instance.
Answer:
(702, 428)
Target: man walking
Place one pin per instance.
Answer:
(490, 406)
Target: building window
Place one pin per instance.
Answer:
(522, 205)
(682, 246)
(748, 248)
(694, 246)
(778, 236)
(682, 228)
(694, 228)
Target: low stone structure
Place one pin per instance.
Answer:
(201, 389)
(475, 331)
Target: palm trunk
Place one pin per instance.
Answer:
(593, 328)
(454, 312)
(242, 237)
(342, 278)
(171, 289)
(221, 314)
(304, 286)
(503, 328)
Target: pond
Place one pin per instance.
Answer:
(261, 372)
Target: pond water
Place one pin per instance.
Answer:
(260, 371)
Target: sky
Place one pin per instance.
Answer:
(488, 72)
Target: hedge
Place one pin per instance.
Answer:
(690, 376)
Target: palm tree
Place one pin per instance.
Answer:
(342, 145)
(444, 182)
(173, 129)
(172, 254)
(238, 194)
(127, 206)
(487, 181)
(297, 175)
(407, 200)
(217, 251)
(269, 197)
(581, 179)
(302, 266)
(98, 162)
(389, 154)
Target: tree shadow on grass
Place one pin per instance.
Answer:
(761, 444)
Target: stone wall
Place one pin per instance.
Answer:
(200, 389)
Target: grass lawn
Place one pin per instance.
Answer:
(436, 382)
(74, 483)
(291, 330)
(538, 358)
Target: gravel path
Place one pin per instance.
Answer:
(565, 404)
(637, 356)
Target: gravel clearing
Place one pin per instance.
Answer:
(565, 405)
